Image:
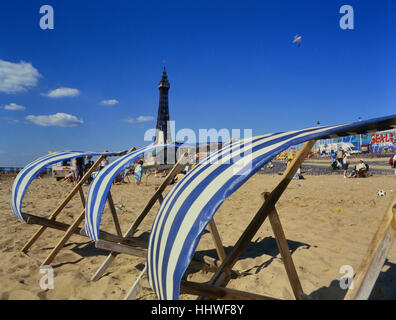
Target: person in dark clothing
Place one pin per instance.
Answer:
(79, 168)
(88, 165)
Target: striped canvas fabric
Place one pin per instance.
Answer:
(100, 187)
(191, 203)
(32, 170)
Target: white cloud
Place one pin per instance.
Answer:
(62, 92)
(110, 102)
(14, 107)
(139, 119)
(55, 120)
(17, 77)
(10, 120)
(145, 118)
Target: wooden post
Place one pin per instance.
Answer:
(217, 292)
(114, 214)
(373, 261)
(156, 197)
(120, 248)
(132, 293)
(284, 250)
(69, 232)
(219, 278)
(58, 210)
(217, 240)
(160, 199)
(80, 190)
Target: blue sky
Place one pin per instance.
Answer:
(231, 64)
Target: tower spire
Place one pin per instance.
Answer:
(164, 80)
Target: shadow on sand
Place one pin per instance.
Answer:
(265, 246)
(83, 249)
(384, 288)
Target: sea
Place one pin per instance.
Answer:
(17, 169)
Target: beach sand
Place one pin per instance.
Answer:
(328, 221)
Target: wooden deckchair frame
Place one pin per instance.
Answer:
(372, 263)
(121, 247)
(157, 196)
(125, 244)
(133, 291)
(364, 278)
(73, 227)
(215, 288)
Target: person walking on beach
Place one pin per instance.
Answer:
(138, 172)
(88, 164)
(340, 155)
(345, 164)
(394, 162)
(79, 168)
(333, 160)
(289, 159)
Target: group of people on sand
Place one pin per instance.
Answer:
(342, 159)
(81, 167)
(137, 173)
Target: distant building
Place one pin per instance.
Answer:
(376, 142)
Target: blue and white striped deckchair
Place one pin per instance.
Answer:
(100, 188)
(33, 169)
(192, 203)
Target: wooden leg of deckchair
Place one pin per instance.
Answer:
(378, 250)
(112, 255)
(217, 240)
(69, 232)
(114, 214)
(211, 291)
(80, 190)
(156, 197)
(219, 248)
(160, 199)
(58, 210)
(120, 248)
(217, 292)
(109, 260)
(132, 293)
(285, 253)
(219, 277)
